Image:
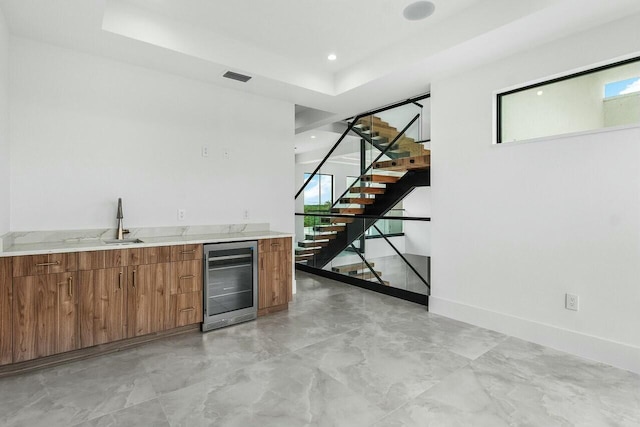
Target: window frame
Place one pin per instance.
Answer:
(499, 95)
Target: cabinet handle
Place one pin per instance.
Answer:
(46, 264)
(187, 309)
(192, 251)
(275, 244)
(133, 284)
(190, 276)
(120, 281)
(70, 284)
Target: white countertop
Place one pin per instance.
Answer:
(19, 244)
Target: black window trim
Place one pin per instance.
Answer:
(550, 81)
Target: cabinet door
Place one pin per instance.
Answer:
(187, 276)
(186, 309)
(102, 306)
(148, 299)
(45, 316)
(274, 278)
(6, 347)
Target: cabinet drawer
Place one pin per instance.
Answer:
(186, 252)
(274, 245)
(188, 308)
(187, 276)
(97, 260)
(35, 265)
(153, 255)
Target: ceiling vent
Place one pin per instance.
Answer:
(236, 76)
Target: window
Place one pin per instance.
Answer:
(599, 98)
(318, 196)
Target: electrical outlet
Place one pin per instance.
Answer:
(571, 302)
(225, 153)
(205, 151)
(246, 214)
(182, 214)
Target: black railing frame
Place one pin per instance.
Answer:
(352, 121)
(367, 263)
(406, 261)
(399, 218)
(382, 153)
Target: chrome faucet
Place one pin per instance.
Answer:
(119, 216)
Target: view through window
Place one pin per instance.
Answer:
(318, 196)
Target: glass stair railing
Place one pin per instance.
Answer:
(372, 167)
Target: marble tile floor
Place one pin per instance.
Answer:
(341, 356)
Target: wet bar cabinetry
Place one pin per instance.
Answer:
(56, 307)
(274, 275)
(103, 289)
(45, 305)
(56, 303)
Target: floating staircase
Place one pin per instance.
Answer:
(380, 134)
(375, 194)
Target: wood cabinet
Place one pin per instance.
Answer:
(102, 305)
(95, 260)
(6, 292)
(186, 309)
(186, 252)
(45, 315)
(186, 276)
(148, 298)
(35, 265)
(152, 255)
(186, 290)
(56, 303)
(274, 275)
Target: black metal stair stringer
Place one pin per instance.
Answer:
(383, 204)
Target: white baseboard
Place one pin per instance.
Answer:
(620, 355)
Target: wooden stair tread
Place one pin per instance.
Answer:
(406, 163)
(302, 251)
(375, 120)
(329, 227)
(351, 211)
(321, 236)
(347, 268)
(386, 179)
(358, 200)
(338, 220)
(366, 275)
(304, 256)
(368, 190)
(313, 243)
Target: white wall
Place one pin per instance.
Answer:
(86, 130)
(4, 127)
(516, 226)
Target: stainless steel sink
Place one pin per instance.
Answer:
(122, 242)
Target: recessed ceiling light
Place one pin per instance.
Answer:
(418, 10)
(332, 57)
(539, 93)
(313, 137)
